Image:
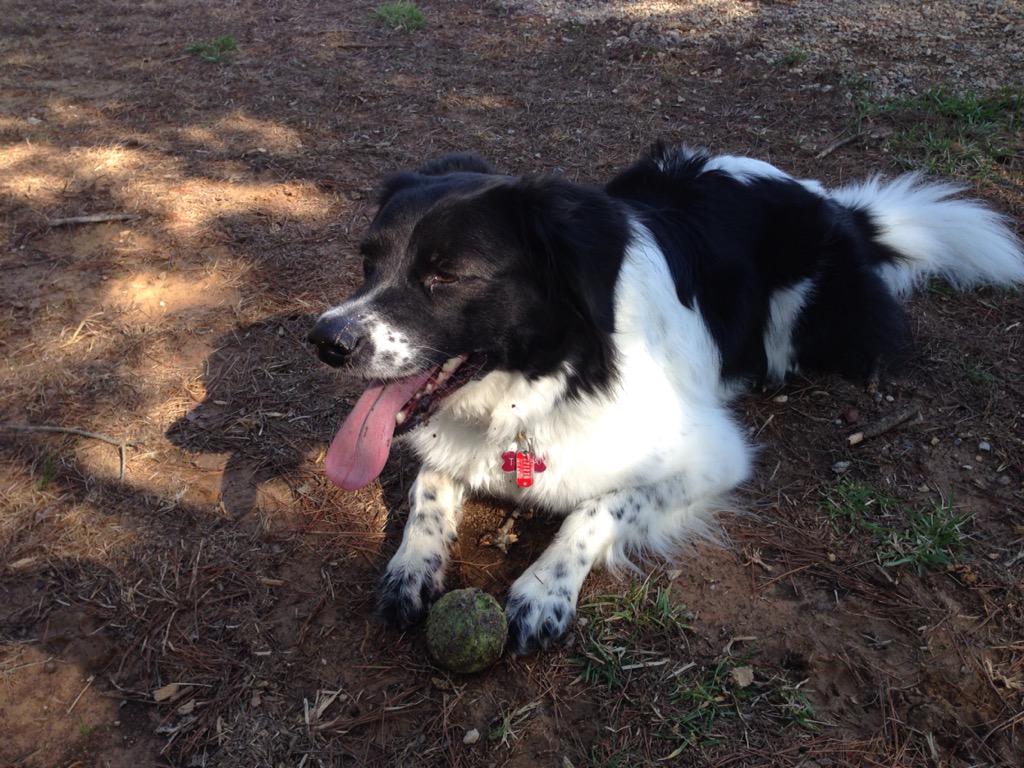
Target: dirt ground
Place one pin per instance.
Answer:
(210, 602)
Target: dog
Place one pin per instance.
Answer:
(575, 348)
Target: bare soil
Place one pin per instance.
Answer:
(214, 605)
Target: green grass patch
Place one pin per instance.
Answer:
(979, 377)
(953, 133)
(45, 471)
(854, 506)
(931, 539)
(216, 51)
(617, 626)
(634, 647)
(792, 58)
(922, 538)
(404, 17)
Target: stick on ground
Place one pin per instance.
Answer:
(882, 426)
(92, 218)
(122, 445)
(842, 141)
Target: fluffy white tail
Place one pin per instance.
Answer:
(960, 239)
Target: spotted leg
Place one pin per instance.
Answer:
(542, 602)
(415, 576)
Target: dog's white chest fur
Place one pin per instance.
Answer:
(664, 416)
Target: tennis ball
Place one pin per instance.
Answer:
(466, 631)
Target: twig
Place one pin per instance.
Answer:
(81, 693)
(882, 426)
(122, 445)
(840, 142)
(93, 218)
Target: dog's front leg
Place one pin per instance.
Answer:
(542, 602)
(415, 576)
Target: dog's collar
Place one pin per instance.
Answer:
(522, 461)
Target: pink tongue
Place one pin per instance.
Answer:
(360, 449)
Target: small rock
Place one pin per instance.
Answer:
(49, 666)
(472, 736)
(742, 676)
(781, 399)
(850, 415)
(968, 467)
(985, 446)
(889, 398)
(1004, 480)
(840, 466)
(923, 488)
(935, 441)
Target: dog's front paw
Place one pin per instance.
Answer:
(538, 616)
(408, 589)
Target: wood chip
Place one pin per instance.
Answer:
(166, 692)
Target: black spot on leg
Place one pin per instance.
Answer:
(583, 561)
(561, 571)
(564, 593)
(430, 495)
(592, 512)
(618, 512)
(428, 530)
(581, 545)
(432, 562)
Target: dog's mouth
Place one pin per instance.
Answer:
(360, 449)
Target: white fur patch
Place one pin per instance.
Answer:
(783, 312)
(744, 169)
(960, 239)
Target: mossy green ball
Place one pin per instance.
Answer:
(466, 631)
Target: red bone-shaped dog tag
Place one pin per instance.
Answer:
(524, 464)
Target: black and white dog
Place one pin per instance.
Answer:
(512, 325)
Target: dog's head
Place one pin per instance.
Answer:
(467, 271)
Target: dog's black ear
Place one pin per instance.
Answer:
(456, 162)
(394, 183)
(578, 237)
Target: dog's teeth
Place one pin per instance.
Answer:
(399, 417)
(452, 364)
(430, 387)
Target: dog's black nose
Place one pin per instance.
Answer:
(336, 339)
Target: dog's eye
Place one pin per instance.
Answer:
(435, 279)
